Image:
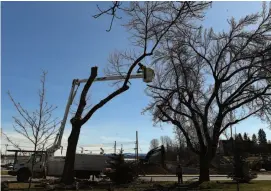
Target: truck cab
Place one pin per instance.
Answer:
(23, 170)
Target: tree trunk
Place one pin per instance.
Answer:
(205, 161)
(32, 164)
(68, 172)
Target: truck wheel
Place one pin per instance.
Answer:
(80, 174)
(44, 174)
(23, 175)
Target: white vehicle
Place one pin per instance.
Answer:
(46, 164)
(85, 165)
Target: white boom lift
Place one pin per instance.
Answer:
(85, 165)
(147, 74)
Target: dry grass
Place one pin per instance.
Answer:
(4, 172)
(211, 186)
(20, 185)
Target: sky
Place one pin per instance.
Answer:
(64, 39)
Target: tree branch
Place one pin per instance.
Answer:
(177, 123)
(102, 103)
(82, 103)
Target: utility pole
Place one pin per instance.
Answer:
(115, 147)
(135, 151)
(135, 154)
(6, 149)
(6, 153)
(121, 150)
(136, 146)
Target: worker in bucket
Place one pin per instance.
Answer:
(179, 174)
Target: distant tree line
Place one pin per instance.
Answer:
(257, 144)
(171, 148)
(176, 148)
(260, 139)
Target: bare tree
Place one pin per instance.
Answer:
(16, 145)
(162, 140)
(179, 138)
(154, 143)
(166, 141)
(148, 24)
(37, 126)
(206, 82)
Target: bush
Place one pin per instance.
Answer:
(241, 171)
(121, 172)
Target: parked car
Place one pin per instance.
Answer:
(8, 166)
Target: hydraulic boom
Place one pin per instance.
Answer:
(147, 74)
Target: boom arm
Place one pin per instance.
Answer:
(57, 143)
(110, 78)
(154, 151)
(148, 75)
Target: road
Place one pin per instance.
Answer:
(195, 177)
(164, 177)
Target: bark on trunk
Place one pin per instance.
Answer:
(204, 168)
(68, 172)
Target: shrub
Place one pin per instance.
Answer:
(241, 171)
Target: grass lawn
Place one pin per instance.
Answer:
(20, 185)
(259, 185)
(4, 172)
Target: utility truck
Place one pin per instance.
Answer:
(46, 164)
